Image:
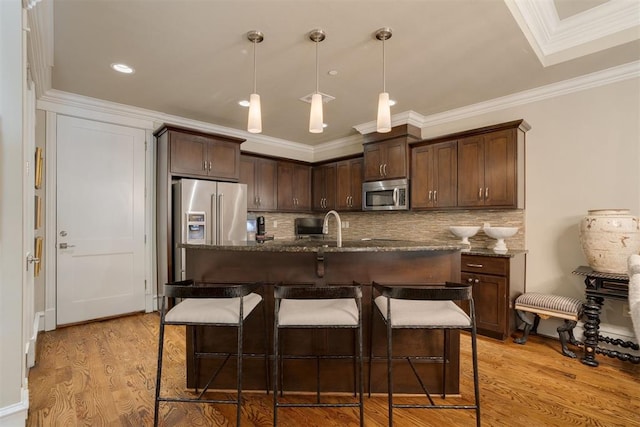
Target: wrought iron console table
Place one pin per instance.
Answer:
(598, 287)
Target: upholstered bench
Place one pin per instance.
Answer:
(545, 306)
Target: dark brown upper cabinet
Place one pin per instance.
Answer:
(434, 176)
(324, 187)
(260, 175)
(294, 187)
(386, 155)
(349, 184)
(206, 156)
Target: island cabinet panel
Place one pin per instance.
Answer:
(349, 185)
(324, 187)
(204, 156)
(261, 176)
(294, 187)
(294, 266)
(434, 175)
(497, 282)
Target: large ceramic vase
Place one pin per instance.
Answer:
(608, 237)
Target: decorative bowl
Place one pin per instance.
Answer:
(500, 233)
(464, 232)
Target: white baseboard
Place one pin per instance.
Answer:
(38, 325)
(16, 415)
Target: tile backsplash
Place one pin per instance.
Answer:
(431, 226)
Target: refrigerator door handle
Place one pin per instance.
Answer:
(220, 216)
(213, 221)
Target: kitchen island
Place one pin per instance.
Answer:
(322, 262)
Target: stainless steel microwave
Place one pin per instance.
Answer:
(389, 195)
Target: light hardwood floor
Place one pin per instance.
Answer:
(103, 374)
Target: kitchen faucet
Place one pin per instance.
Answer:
(325, 226)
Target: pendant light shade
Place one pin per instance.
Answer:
(383, 123)
(254, 122)
(316, 116)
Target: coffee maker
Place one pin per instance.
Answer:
(260, 231)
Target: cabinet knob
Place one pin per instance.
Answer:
(380, 170)
(486, 193)
(384, 169)
(476, 281)
(469, 280)
(430, 193)
(435, 195)
(480, 193)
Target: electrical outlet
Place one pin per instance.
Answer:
(275, 224)
(625, 310)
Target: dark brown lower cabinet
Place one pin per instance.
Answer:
(497, 282)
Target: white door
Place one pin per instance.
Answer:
(100, 220)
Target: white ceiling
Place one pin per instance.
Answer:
(193, 60)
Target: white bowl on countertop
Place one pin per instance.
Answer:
(464, 232)
(500, 233)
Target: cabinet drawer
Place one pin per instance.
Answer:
(485, 265)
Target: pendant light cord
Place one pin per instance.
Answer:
(254, 68)
(384, 79)
(317, 67)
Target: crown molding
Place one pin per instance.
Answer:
(82, 106)
(554, 40)
(588, 81)
(406, 117)
(40, 46)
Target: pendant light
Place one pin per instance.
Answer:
(254, 122)
(315, 118)
(383, 124)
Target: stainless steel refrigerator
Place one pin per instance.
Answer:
(207, 213)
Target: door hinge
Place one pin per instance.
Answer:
(145, 146)
(145, 239)
(146, 289)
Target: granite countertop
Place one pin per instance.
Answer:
(326, 246)
(489, 252)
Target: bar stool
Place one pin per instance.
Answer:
(424, 307)
(209, 304)
(317, 307)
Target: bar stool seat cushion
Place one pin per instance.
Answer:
(423, 312)
(212, 310)
(315, 312)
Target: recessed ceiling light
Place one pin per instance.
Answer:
(122, 68)
(392, 102)
(244, 103)
(324, 125)
(333, 72)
